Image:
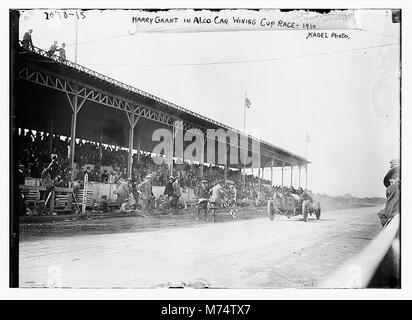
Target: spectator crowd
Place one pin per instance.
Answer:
(108, 164)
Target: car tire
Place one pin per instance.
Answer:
(317, 210)
(305, 210)
(271, 210)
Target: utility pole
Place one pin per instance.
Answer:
(247, 140)
(75, 48)
(307, 139)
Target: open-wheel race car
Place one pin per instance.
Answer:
(292, 205)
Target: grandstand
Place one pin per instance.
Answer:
(67, 99)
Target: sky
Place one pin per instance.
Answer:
(344, 93)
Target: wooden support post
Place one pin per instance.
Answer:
(283, 170)
(138, 146)
(202, 159)
(225, 172)
(73, 131)
(101, 146)
(133, 119)
(172, 144)
(130, 155)
(51, 135)
(226, 161)
(76, 106)
(306, 180)
(299, 176)
(271, 175)
(291, 175)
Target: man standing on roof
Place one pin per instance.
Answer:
(52, 49)
(27, 42)
(62, 53)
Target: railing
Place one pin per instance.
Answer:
(376, 266)
(125, 86)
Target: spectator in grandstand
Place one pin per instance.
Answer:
(82, 173)
(52, 49)
(93, 175)
(54, 166)
(392, 184)
(292, 190)
(62, 53)
(27, 41)
(105, 177)
(112, 177)
(88, 172)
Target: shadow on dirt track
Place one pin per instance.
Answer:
(97, 224)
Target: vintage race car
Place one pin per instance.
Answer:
(292, 205)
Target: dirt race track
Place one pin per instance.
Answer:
(240, 253)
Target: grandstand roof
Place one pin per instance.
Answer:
(46, 106)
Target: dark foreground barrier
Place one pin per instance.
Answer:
(376, 266)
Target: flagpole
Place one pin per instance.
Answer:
(244, 132)
(75, 48)
(306, 146)
(244, 115)
(306, 159)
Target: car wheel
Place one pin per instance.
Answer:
(305, 210)
(271, 210)
(317, 210)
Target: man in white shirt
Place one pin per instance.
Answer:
(215, 198)
(215, 193)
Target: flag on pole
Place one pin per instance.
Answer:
(307, 138)
(248, 103)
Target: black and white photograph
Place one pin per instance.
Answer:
(205, 148)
